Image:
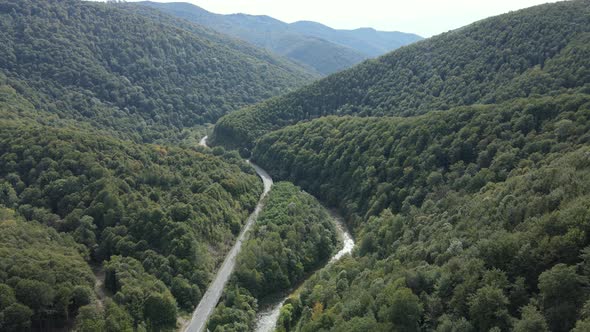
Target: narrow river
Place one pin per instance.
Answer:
(267, 318)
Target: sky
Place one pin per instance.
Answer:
(424, 17)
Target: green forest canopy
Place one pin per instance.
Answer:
(475, 217)
(42, 274)
(293, 236)
(172, 211)
(134, 71)
(470, 205)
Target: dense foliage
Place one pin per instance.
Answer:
(146, 298)
(475, 217)
(44, 279)
(366, 165)
(532, 51)
(293, 236)
(139, 74)
(471, 218)
(322, 49)
(173, 210)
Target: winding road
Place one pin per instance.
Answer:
(213, 293)
(266, 319)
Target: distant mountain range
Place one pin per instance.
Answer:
(321, 48)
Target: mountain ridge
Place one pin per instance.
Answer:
(133, 69)
(294, 40)
(489, 61)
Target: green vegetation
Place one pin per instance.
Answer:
(136, 73)
(488, 62)
(474, 217)
(465, 175)
(110, 319)
(76, 78)
(44, 279)
(172, 211)
(293, 236)
(146, 298)
(367, 165)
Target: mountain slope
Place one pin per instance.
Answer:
(162, 217)
(513, 55)
(470, 206)
(475, 217)
(169, 214)
(141, 77)
(324, 49)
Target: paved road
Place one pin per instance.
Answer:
(213, 293)
(203, 141)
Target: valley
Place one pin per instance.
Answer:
(166, 168)
(267, 318)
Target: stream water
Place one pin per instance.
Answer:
(267, 317)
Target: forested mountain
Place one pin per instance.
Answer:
(321, 48)
(393, 163)
(368, 41)
(470, 219)
(136, 73)
(461, 163)
(83, 87)
(523, 53)
(158, 218)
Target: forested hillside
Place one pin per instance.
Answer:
(374, 164)
(471, 219)
(528, 52)
(461, 163)
(321, 48)
(292, 237)
(161, 216)
(140, 75)
(83, 87)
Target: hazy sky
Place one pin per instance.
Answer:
(424, 17)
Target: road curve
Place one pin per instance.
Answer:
(213, 294)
